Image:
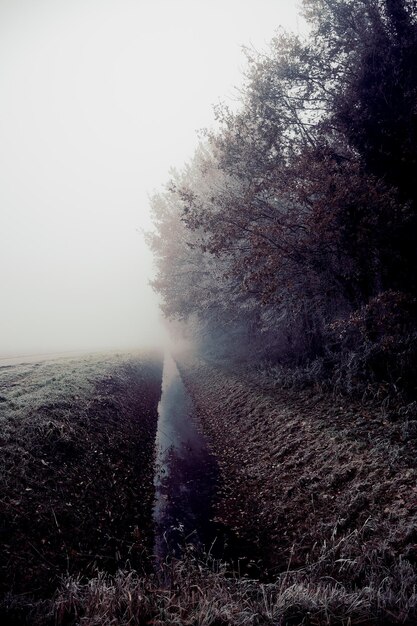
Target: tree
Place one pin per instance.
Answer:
(300, 209)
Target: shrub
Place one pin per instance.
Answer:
(376, 345)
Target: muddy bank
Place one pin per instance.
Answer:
(299, 469)
(77, 449)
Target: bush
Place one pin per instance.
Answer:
(376, 346)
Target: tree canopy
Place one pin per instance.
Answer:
(295, 222)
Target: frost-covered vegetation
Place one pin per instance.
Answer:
(197, 590)
(324, 501)
(291, 234)
(76, 470)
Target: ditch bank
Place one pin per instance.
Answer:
(76, 473)
(302, 473)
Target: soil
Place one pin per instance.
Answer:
(77, 448)
(299, 469)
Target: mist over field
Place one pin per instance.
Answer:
(98, 101)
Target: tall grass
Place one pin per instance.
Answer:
(340, 587)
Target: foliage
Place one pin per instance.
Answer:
(301, 210)
(377, 343)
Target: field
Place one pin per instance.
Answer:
(77, 453)
(320, 491)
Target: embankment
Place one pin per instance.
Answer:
(77, 453)
(301, 472)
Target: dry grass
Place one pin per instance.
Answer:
(297, 466)
(76, 468)
(197, 591)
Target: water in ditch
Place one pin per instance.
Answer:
(186, 476)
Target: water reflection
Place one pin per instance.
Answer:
(186, 472)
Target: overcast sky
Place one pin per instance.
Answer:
(98, 99)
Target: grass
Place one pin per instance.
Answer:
(198, 591)
(321, 491)
(298, 466)
(76, 469)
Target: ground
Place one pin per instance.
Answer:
(77, 453)
(299, 466)
(321, 492)
(305, 472)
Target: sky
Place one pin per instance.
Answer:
(98, 100)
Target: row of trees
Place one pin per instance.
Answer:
(292, 231)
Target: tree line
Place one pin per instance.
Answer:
(291, 234)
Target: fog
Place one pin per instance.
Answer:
(98, 99)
